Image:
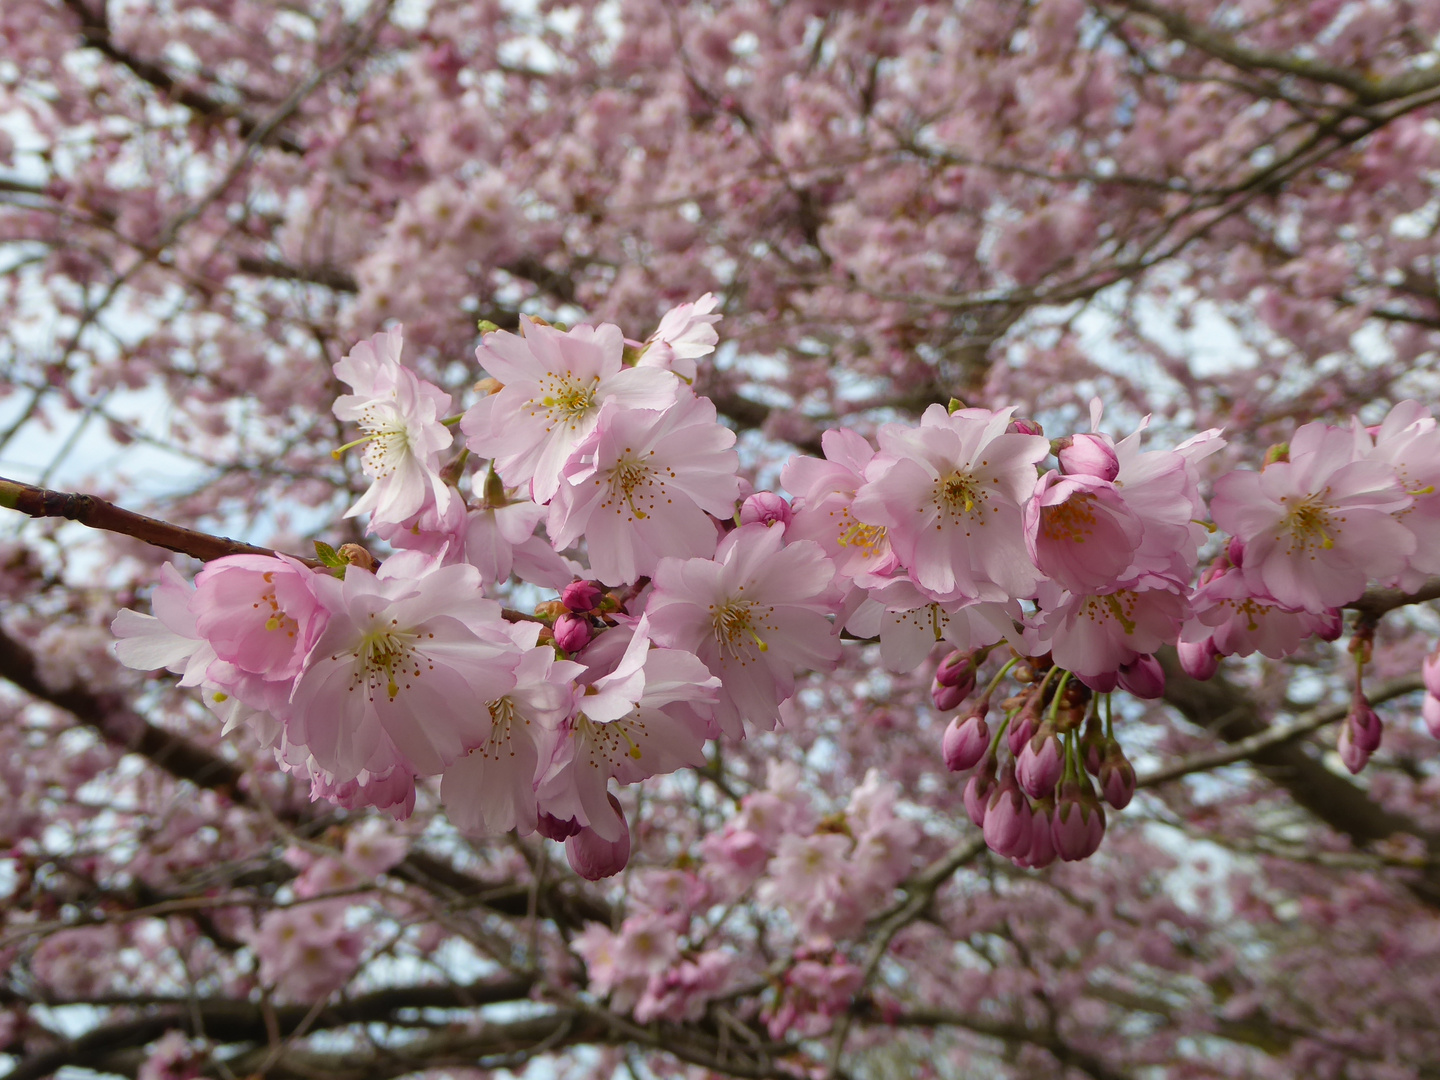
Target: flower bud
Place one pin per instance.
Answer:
(1007, 819)
(1022, 728)
(965, 743)
(592, 856)
(1079, 822)
(766, 507)
(572, 632)
(946, 698)
(1041, 852)
(1364, 724)
(1430, 711)
(1334, 626)
(978, 790)
(1089, 455)
(582, 597)
(557, 829)
(1024, 426)
(1354, 756)
(1040, 764)
(957, 669)
(1092, 746)
(1199, 659)
(1235, 551)
(1143, 677)
(1102, 683)
(1117, 777)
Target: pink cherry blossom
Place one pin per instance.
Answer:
(641, 486)
(755, 614)
(554, 385)
(949, 494)
(400, 415)
(685, 334)
(1080, 532)
(259, 613)
(824, 493)
(392, 679)
(1317, 527)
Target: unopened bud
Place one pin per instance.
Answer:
(1199, 659)
(1364, 724)
(1040, 764)
(1280, 452)
(767, 508)
(572, 632)
(1041, 852)
(1117, 777)
(1351, 753)
(1007, 819)
(1089, 455)
(1143, 677)
(1079, 822)
(593, 857)
(978, 791)
(948, 697)
(355, 555)
(957, 669)
(965, 743)
(1024, 426)
(582, 597)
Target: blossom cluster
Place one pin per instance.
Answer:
(685, 613)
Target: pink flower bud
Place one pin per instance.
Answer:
(1007, 819)
(1430, 672)
(1041, 852)
(1092, 746)
(1102, 683)
(582, 596)
(1364, 725)
(1334, 627)
(1024, 426)
(1089, 455)
(957, 669)
(592, 856)
(767, 507)
(1143, 677)
(1235, 551)
(554, 828)
(572, 632)
(978, 791)
(948, 697)
(1040, 764)
(1199, 659)
(1117, 777)
(965, 743)
(1022, 729)
(1430, 711)
(1354, 756)
(1079, 823)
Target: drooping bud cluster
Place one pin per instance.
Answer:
(685, 614)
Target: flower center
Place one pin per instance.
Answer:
(631, 480)
(388, 652)
(1310, 523)
(958, 493)
(1071, 521)
(567, 401)
(732, 623)
(869, 540)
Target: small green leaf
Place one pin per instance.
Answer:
(328, 556)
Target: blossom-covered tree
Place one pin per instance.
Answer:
(929, 505)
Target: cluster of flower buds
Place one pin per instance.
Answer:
(685, 613)
(1030, 791)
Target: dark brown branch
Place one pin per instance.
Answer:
(98, 514)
